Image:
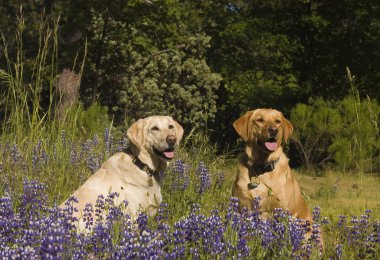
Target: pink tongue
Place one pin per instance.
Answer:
(169, 155)
(271, 146)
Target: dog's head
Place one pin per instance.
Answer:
(155, 137)
(265, 128)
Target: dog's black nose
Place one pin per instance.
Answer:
(171, 140)
(273, 131)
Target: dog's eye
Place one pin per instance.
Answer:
(260, 120)
(277, 121)
(154, 128)
(171, 126)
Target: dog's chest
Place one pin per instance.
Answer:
(142, 192)
(137, 187)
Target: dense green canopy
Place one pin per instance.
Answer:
(204, 62)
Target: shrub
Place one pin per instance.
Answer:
(344, 132)
(315, 126)
(175, 82)
(356, 147)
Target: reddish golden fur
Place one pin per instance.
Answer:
(277, 188)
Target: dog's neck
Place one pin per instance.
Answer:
(151, 161)
(256, 156)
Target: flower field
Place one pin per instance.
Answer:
(198, 219)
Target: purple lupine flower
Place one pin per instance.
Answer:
(325, 221)
(315, 237)
(101, 239)
(99, 208)
(149, 246)
(34, 200)
(181, 177)
(297, 234)
(95, 140)
(342, 221)
(178, 252)
(37, 154)
(74, 157)
(142, 221)
(88, 217)
(103, 232)
(354, 234)
(213, 236)
(162, 213)
(232, 215)
(205, 178)
(56, 237)
(15, 154)
(107, 140)
(194, 253)
(87, 147)
(35, 157)
(220, 179)
(68, 212)
(64, 138)
(316, 213)
(93, 163)
(339, 250)
(9, 220)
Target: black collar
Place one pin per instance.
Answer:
(260, 169)
(141, 165)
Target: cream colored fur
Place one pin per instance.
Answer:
(119, 174)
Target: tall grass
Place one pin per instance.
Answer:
(30, 127)
(358, 118)
(26, 80)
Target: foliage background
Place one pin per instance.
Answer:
(205, 63)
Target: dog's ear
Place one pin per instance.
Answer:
(288, 129)
(241, 125)
(179, 131)
(135, 133)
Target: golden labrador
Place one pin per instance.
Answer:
(263, 167)
(134, 174)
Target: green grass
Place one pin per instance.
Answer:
(336, 193)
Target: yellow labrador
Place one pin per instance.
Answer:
(134, 174)
(263, 167)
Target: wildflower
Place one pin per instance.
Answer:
(162, 212)
(205, 178)
(220, 179)
(232, 215)
(316, 214)
(142, 221)
(95, 140)
(15, 154)
(339, 250)
(93, 163)
(181, 177)
(107, 140)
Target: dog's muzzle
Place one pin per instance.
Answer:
(168, 153)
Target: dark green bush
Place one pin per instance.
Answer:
(177, 83)
(344, 133)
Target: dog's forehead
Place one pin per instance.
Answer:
(158, 121)
(266, 113)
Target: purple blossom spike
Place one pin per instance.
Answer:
(181, 177)
(205, 178)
